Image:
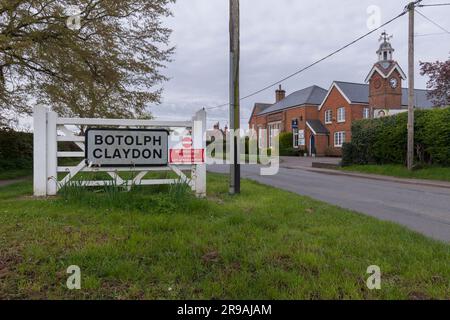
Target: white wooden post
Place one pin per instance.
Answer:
(39, 151)
(52, 157)
(199, 142)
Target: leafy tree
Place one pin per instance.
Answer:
(439, 83)
(87, 58)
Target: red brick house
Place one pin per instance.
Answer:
(321, 120)
(288, 114)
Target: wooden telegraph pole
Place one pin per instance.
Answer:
(410, 156)
(235, 169)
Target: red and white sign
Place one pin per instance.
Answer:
(187, 156)
(187, 142)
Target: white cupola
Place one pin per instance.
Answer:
(385, 52)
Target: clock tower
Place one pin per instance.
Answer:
(385, 78)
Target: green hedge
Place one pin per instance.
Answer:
(286, 139)
(286, 145)
(16, 149)
(384, 140)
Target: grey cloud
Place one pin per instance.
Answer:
(277, 38)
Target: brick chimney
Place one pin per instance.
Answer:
(280, 94)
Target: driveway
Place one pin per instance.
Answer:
(424, 209)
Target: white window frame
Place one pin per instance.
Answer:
(341, 114)
(366, 113)
(339, 139)
(329, 116)
(261, 138)
(295, 138)
(272, 127)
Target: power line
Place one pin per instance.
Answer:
(314, 63)
(433, 22)
(434, 5)
(431, 34)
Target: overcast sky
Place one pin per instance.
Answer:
(277, 38)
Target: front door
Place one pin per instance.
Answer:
(312, 145)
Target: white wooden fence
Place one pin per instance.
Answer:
(49, 129)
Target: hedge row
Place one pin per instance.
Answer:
(16, 149)
(286, 146)
(384, 140)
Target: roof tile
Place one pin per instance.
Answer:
(313, 95)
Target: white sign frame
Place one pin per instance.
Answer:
(47, 124)
(140, 161)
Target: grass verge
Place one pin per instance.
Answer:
(153, 243)
(427, 173)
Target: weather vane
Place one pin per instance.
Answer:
(385, 37)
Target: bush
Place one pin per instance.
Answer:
(290, 152)
(349, 155)
(286, 140)
(286, 145)
(384, 141)
(16, 150)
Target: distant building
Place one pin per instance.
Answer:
(321, 120)
(217, 128)
(216, 133)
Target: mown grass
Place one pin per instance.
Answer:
(428, 173)
(153, 243)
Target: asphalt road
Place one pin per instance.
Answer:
(421, 208)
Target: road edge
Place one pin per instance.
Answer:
(417, 182)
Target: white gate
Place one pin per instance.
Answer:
(47, 125)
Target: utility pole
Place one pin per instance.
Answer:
(411, 97)
(235, 168)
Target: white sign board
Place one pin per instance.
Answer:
(126, 147)
(301, 138)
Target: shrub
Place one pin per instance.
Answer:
(384, 141)
(348, 154)
(433, 136)
(286, 145)
(16, 149)
(286, 140)
(290, 152)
